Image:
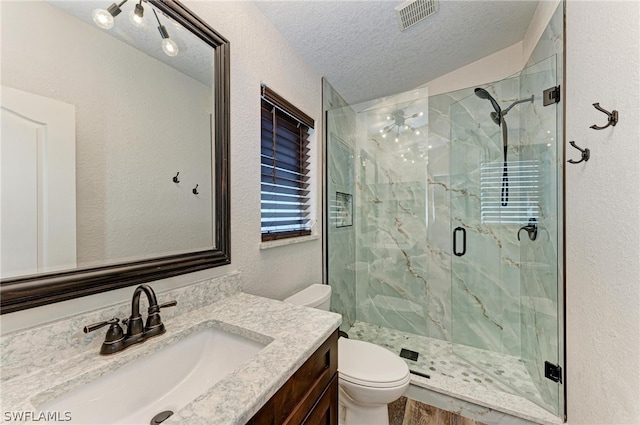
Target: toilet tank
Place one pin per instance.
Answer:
(316, 296)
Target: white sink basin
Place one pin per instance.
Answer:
(168, 379)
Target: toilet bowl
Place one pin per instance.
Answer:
(369, 376)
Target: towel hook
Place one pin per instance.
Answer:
(175, 179)
(586, 154)
(611, 116)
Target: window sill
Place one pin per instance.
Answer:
(288, 241)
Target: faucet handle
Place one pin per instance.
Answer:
(113, 340)
(94, 326)
(153, 309)
(169, 304)
(154, 325)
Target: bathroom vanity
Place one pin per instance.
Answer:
(290, 378)
(310, 396)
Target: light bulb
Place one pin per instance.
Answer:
(102, 18)
(170, 47)
(136, 20)
(397, 140)
(384, 136)
(136, 16)
(417, 132)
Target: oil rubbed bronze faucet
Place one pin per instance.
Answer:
(117, 340)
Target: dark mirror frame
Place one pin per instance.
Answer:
(32, 291)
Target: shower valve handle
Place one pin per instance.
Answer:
(531, 228)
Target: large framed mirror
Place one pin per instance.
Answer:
(115, 147)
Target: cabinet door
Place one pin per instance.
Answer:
(325, 412)
(302, 393)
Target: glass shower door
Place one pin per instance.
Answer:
(540, 253)
(504, 226)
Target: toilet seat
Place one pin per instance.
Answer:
(369, 365)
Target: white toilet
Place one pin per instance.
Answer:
(369, 376)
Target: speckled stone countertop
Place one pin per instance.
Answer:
(292, 334)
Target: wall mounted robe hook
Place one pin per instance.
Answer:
(195, 190)
(612, 117)
(586, 154)
(175, 179)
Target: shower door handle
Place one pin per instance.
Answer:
(455, 242)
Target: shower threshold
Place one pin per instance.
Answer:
(453, 376)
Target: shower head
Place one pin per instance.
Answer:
(496, 117)
(483, 94)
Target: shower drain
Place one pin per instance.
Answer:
(409, 354)
(161, 417)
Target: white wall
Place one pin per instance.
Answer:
(497, 66)
(259, 53)
(603, 214)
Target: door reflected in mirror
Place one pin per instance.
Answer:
(94, 185)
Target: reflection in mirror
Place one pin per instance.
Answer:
(101, 108)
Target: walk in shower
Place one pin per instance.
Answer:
(444, 235)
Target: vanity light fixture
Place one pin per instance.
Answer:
(168, 45)
(137, 15)
(104, 18)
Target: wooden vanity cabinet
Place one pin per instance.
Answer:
(310, 396)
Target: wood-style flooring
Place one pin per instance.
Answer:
(406, 411)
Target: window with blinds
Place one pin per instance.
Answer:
(284, 154)
(524, 192)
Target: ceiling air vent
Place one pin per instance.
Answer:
(413, 11)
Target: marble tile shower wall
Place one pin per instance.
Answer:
(485, 293)
(392, 290)
(438, 211)
(340, 127)
(402, 268)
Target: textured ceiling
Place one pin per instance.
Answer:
(359, 48)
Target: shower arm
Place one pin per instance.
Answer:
(529, 99)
